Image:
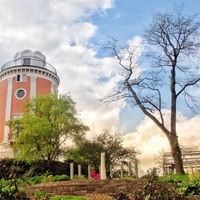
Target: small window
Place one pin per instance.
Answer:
(21, 77)
(17, 116)
(20, 94)
(26, 61)
(18, 77)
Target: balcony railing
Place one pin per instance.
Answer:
(28, 62)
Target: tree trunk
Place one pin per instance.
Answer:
(176, 154)
(172, 137)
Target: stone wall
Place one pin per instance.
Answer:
(85, 187)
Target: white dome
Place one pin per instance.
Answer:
(28, 57)
(27, 53)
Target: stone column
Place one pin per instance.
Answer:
(103, 168)
(89, 169)
(79, 170)
(71, 170)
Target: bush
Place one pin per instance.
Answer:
(11, 168)
(62, 177)
(9, 190)
(42, 195)
(152, 190)
(189, 188)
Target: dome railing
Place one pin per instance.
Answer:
(28, 62)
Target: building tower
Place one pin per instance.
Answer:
(27, 76)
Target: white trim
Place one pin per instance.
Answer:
(18, 90)
(52, 87)
(33, 86)
(8, 108)
(30, 71)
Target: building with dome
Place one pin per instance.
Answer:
(26, 76)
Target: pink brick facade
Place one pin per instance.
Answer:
(27, 76)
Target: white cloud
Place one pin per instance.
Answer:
(149, 139)
(61, 29)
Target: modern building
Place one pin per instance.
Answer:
(26, 76)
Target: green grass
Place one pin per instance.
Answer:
(174, 178)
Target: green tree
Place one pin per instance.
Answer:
(172, 73)
(47, 123)
(89, 151)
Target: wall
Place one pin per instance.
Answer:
(85, 187)
(81, 188)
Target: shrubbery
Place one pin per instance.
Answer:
(151, 190)
(11, 168)
(9, 190)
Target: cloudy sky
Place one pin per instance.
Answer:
(71, 33)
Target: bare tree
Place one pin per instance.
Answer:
(171, 72)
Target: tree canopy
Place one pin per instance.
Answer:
(47, 123)
(89, 150)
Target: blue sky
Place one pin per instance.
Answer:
(128, 18)
(70, 33)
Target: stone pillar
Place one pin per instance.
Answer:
(89, 169)
(71, 170)
(100, 170)
(103, 168)
(79, 170)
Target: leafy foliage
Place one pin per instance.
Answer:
(47, 122)
(190, 188)
(11, 168)
(151, 190)
(9, 190)
(188, 184)
(42, 195)
(89, 151)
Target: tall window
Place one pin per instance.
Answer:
(26, 61)
(21, 77)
